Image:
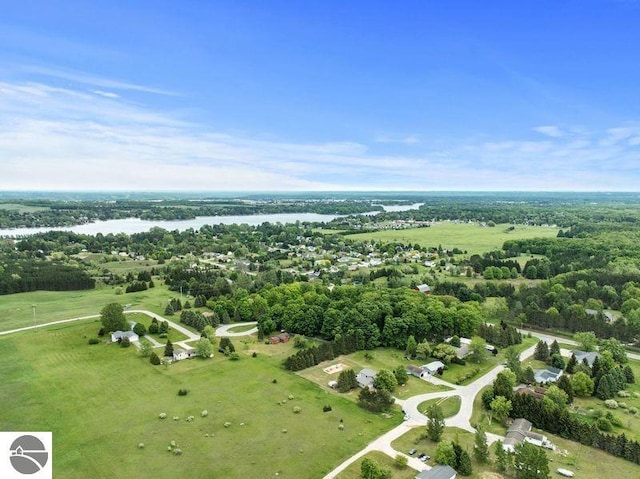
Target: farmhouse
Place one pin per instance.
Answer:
(366, 377)
(180, 354)
(435, 367)
(519, 432)
(280, 338)
(117, 336)
(441, 471)
(548, 375)
(582, 355)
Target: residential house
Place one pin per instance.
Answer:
(435, 367)
(520, 431)
(582, 355)
(441, 471)
(536, 392)
(366, 377)
(416, 371)
(548, 375)
(180, 354)
(117, 336)
(423, 288)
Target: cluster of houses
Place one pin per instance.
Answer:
(178, 354)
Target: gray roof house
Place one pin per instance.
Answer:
(366, 377)
(548, 375)
(441, 471)
(180, 354)
(582, 355)
(520, 431)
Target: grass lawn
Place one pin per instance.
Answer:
(16, 309)
(101, 401)
(468, 237)
(22, 208)
(353, 471)
(382, 358)
(450, 405)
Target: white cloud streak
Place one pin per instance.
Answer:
(66, 139)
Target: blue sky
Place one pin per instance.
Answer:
(320, 95)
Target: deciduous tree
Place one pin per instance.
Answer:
(112, 317)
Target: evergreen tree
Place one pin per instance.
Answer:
(605, 388)
(542, 351)
(564, 383)
(481, 448)
(554, 348)
(501, 457)
(628, 374)
(412, 346)
(464, 467)
(571, 364)
(168, 349)
(435, 423)
(154, 359)
(347, 380)
(531, 462)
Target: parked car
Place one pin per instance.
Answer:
(412, 452)
(423, 457)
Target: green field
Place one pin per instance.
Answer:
(16, 309)
(450, 405)
(22, 208)
(101, 401)
(468, 237)
(353, 471)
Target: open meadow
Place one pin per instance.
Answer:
(472, 238)
(101, 401)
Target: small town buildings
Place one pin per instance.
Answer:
(520, 431)
(548, 375)
(435, 367)
(366, 377)
(441, 471)
(180, 354)
(117, 336)
(582, 355)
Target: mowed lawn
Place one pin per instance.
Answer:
(101, 401)
(468, 237)
(16, 310)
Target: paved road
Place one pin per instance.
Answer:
(223, 330)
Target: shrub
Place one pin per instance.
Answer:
(102, 332)
(153, 328)
(611, 404)
(162, 415)
(291, 397)
(234, 356)
(326, 408)
(254, 355)
(182, 392)
(125, 343)
(633, 410)
(154, 359)
(401, 461)
(139, 329)
(604, 424)
(624, 394)
(94, 341)
(162, 335)
(623, 405)
(177, 451)
(297, 409)
(204, 413)
(274, 381)
(596, 413)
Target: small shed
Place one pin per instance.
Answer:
(435, 367)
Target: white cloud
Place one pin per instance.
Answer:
(550, 130)
(405, 140)
(61, 138)
(106, 94)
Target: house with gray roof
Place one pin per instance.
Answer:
(582, 355)
(435, 367)
(117, 336)
(366, 377)
(520, 431)
(441, 471)
(548, 375)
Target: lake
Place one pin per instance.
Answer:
(136, 225)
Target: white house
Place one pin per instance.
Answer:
(548, 375)
(433, 368)
(180, 354)
(118, 335)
